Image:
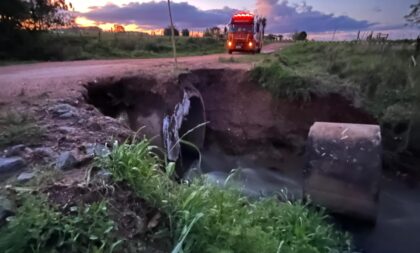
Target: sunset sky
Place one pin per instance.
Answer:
(320, 18)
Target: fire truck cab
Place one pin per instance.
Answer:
(245, 33)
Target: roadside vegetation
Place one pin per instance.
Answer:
(382, 78)
(204, 218)
(50, 46)
(196, 216)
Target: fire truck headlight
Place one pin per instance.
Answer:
(230, 43)
(250, 44)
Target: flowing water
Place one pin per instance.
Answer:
(397, 228)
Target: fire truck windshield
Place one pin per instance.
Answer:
(241, 28)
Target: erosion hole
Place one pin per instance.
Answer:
(134, 101)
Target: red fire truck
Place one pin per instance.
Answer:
(245, 33)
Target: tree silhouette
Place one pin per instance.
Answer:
(414, 16)
(168, 31)
(300, 36)
(185, 33)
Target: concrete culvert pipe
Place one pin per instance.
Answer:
(163, 116)
(184, 130)
(343, 168)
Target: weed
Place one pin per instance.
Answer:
(205, 218)
(40, 227)
(18, 128)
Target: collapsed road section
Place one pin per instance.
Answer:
(228, 121)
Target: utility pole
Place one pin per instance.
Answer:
(172, 34)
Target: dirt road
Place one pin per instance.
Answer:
(63, 79)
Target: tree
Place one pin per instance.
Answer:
(300, 36)
(185, 33)
(46, 14)
(264, 24)
(168, 31)
(119, 28)
(212, 32)
(12, 14)
(35, 14)
(414, 16)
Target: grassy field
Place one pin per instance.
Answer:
(380, 78)
(71, 46)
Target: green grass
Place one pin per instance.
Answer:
(40, 227)
(378, 75)
(204, 218)
(45, 46)
(18, 128)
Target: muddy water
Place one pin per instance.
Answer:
(397, 229)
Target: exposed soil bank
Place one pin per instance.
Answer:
(251, 129)
(242, 116)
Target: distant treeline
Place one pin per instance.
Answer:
(38, 30)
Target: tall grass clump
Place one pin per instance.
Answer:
(39, 227)
(204, 218)
(281, 81)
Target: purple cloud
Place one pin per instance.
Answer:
(155, 15)
(285, 18)
(282, 17)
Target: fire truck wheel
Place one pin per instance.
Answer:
(230, 51)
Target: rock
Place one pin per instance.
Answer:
(97, 150)
(7, 208)
(63, 111)
(44, 152)
(67, 130)
(14, 150)
(343, 168)
(26, 176)
(11, 164)
(65, 161)
(94, 126)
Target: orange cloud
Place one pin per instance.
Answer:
(85, 22)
